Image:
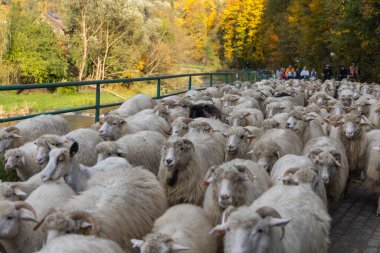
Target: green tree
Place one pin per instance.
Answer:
(33, 48)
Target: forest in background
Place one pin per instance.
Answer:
(58, 40)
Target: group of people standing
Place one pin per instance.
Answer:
(296, 73)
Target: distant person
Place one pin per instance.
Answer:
(304, 73)
(353, 72)
(279, 72)
(327, 73)
(313, 74)
(289, 72)
(343, 73)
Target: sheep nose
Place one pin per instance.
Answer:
(102, 132)
(224, 197)
(231, 147)
(169, 161)
(287, 125)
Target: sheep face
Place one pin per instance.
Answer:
(327, 163)
(228, 185)
(112, 127)
(7, 137)
(200, 127)
(251, 233)
(11, 215)
(175, 155)
(294, 123)
(158, 243)
(180, 127)
(14, 158)
(44, 144)
(59, 163)
(275, 108)
(266, 154)
(238, 140)
(350, 125)
(238, 119)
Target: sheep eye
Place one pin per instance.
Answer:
(260, 230)
(9, 218)
(114, 123)
(17, 156)
(242, 137)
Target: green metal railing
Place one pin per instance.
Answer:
(252, 76)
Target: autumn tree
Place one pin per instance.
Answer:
(239, 26)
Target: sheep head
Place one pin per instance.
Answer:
(158, 243)
(12, 214)
(350, 125)
(56, 223)
(252, 231)
(14, 158)
(59, 163)
(180, 126)
(11, 191)
(266, 153)
(328, 163)
(200, 127)
(270, 124)
(45, 143)
(8, 136)
(112, 127)
(238, 141)
(228, 184)
(175, 155)
(107, 149)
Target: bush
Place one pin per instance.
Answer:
(68, 90)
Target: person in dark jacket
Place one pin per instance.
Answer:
(343, 73)
(327, 73)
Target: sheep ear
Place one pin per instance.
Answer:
(278, 221)
(251, 137)
(122, 122)
(246, 114)
(312, 154)
(178, 247)
(74, 148)
(137, 243)
(19, 193)
(14, 131)
(86, 228)
(248, 175)
(220, 229)
(208, 177)
(336, 123)
(225, 135)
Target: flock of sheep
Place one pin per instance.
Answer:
(240, 168)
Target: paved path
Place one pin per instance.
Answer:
(355, 227)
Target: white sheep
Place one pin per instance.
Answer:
(80, 243)
(284, 219)
(120, 204)
(23, 159)
(141, 148)
(87, 139)
(133, 105)
(183, 165)
(115, 127)
(277, 121)
(274, 144)
(237, 183)
(172, 233)
(306, 126)
(329, 156)
(275, 107)
(30, 129)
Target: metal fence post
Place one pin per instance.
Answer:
(189, 88)
(226, 78)
(210, 80)
(158, 88)
(97, 101)
(254, 76)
